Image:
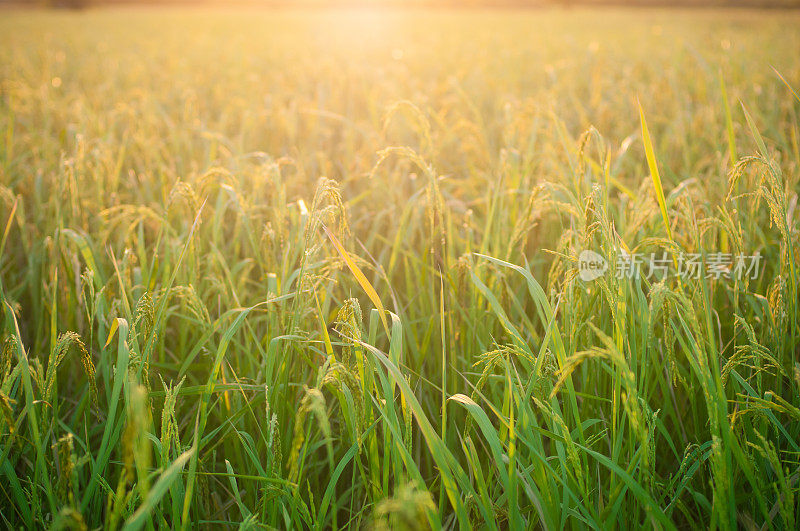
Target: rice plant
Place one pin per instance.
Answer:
(327, 270)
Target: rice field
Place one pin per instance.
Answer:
(399, 270)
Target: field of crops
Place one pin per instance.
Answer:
(314, 270)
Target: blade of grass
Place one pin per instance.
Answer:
(656, 176)
(360, 277)
(157, 491)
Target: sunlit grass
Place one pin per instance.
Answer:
(319, 269)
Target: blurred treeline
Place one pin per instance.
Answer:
(78, 4)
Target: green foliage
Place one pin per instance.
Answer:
(287, 271)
